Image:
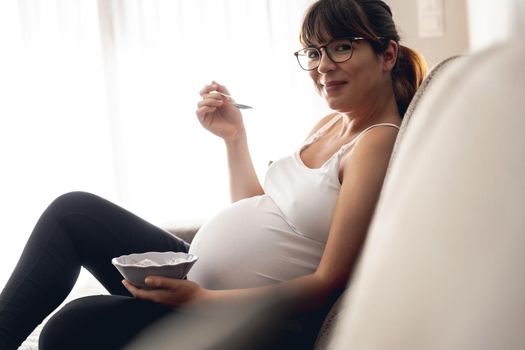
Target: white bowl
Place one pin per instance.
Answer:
(136, 267)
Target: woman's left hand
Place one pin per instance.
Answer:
(168, 291)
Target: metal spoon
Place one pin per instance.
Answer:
(235, 104)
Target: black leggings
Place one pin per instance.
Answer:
(80, 229)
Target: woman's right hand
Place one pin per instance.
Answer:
(217, 114)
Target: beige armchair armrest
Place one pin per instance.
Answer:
(184, 229)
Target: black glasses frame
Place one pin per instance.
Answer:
(318, 48)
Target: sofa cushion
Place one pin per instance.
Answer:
(419, 95)
(327, 328)
(442, 267)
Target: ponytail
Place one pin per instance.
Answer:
(407, 75)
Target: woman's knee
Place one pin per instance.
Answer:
(73, 201)
(59, 209)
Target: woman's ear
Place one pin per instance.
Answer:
(390, 56)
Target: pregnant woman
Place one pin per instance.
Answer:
(299, 233)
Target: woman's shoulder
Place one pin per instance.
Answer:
(370, 153)
(377, 138)
(376, 142)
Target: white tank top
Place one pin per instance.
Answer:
(276, 236)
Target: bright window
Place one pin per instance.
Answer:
(100, 97)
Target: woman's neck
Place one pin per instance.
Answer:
(384, 110)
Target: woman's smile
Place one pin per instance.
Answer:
(333, 85)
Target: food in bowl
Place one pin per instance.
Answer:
(136, 267)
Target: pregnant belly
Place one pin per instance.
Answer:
(250, 244)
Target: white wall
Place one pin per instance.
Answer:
(520, 18)
(454, 40)
(469, 25)
(494, 21)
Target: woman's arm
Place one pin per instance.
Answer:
(244, 182)
(217, 115)
(364, 168)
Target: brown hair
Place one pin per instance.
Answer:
(372, 20)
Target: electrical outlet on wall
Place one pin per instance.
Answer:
(431, 18)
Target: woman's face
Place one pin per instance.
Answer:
(354, 84)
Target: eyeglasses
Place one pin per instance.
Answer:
(338, 50)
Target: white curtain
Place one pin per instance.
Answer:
(100, 96)
(54, 134)
(163, 53)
